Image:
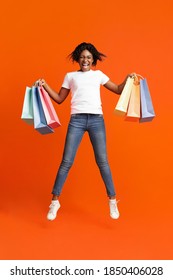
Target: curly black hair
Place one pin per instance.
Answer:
(75, 55)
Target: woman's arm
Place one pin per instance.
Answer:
(117, 88)
(57, 97)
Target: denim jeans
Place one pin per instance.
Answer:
(78, 125)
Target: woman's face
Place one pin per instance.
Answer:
(85, 60)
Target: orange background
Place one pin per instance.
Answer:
(36, 37)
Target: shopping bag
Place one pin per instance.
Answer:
(134, 102)
(147, 110)
(40, 123)
(27, 110)
(123, 101)
(49, 111)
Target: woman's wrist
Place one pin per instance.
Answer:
(44, 85)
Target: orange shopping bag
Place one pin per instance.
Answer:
(134, 102)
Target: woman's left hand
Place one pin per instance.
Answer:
(132, 75)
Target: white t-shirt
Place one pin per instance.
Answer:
(85, 90)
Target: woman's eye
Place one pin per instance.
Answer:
(88, 57)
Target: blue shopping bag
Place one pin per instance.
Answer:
(27, 110)
(147, 110)
(40, 123)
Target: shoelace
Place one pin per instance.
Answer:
(114, 206)
(116, 202)
(52, 207)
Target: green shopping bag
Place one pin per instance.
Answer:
(27, 110)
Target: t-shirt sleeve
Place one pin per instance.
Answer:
(66, 82)
(104, 78)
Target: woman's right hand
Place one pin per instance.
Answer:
(40, 82)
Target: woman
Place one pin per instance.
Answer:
(86, 116)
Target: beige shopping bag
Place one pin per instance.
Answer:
(123, 101)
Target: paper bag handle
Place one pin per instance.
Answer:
(138, 75)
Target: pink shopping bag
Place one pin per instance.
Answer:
(48, 108)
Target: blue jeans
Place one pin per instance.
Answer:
(78, 125)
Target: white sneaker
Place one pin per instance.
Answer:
(55, 205)
(114, 213)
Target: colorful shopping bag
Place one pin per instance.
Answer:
(27, 110)
(49, 111)
(134, 102)
(147, 110)
(40, 123)
(123, 101)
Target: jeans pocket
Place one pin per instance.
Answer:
(74, 116)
